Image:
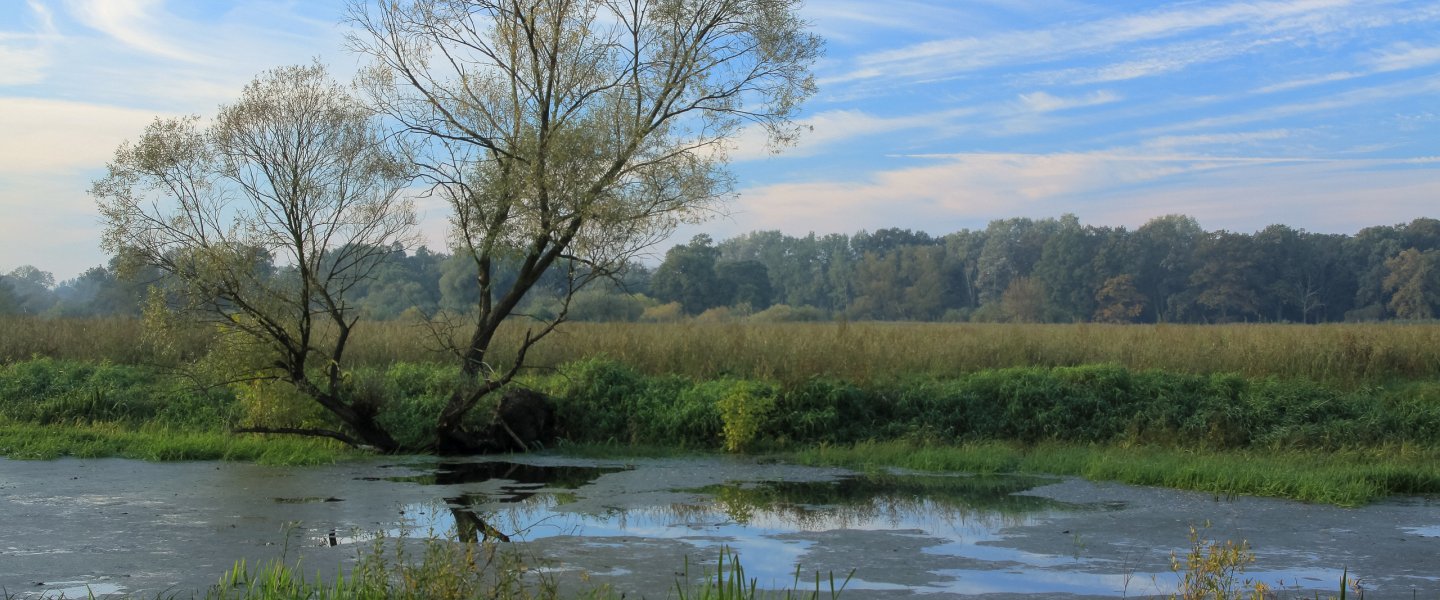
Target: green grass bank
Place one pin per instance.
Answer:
(1221, 433)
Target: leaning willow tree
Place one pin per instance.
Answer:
(572, 134)
(296, 173)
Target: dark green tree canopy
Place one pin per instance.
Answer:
(688, 276)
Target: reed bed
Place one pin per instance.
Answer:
(862, 352)
(1341, 354)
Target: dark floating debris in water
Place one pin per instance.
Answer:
(455, 473)
(307, 500)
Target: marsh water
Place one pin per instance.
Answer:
(112, 526)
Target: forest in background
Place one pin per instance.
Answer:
(1169, 270)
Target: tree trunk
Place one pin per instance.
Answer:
(522, 420)
(359, 418)
(370, 432)
(450, 437)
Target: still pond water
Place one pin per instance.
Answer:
(71, 526)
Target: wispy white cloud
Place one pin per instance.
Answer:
(1079, 102)
(140, 24)
(1323, 197)
(25, 63)
(948, 57)
(855, 20)
(1122, 187)
(139, 53)
(81, 76)
(27, 54)
(1309, 81)
(1398, 57)
(1171, 143)
(1155, 61)
(51, 151)
(1429, 84)
(832, 127)
(1402, 57)
(1044, 102)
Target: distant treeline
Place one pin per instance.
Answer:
(1018, 270)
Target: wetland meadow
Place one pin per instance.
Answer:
(900, 459)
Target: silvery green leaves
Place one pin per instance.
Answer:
(263, 219)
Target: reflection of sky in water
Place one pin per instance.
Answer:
(79, 589)
(772, 544)
(1431, 531)
(773, 534)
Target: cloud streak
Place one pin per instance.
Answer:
(949, 57)
(135, 23)
(1403, 57)
(830, 128)
(1043, 102)
(27, 55)
(1418, 86)
(1114, 187)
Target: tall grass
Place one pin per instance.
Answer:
(114, 339)
(443, 570)
(1348, 354)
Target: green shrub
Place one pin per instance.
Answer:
(783, 313)
(593, 398)
(745, 409)
(52, 391)
(411, 396)
(693, 418)
(604, 401)
(270, 403)
(824, 411)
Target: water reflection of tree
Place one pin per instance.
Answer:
(471, 526)
(857, 501)
(984, 500)
(458, 473)
(513, 517)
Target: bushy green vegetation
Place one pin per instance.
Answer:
(1343, 439)
(47, 391)
(51, 408)
(605, 401)
(1218, 433)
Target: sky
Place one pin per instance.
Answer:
(935, 115)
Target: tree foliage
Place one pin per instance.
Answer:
(1279, 274)
(265, 221)
(1414, 283)
(688, 276)
(572, 134)
(1117, 300)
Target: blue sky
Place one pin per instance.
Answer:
(933, 115)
